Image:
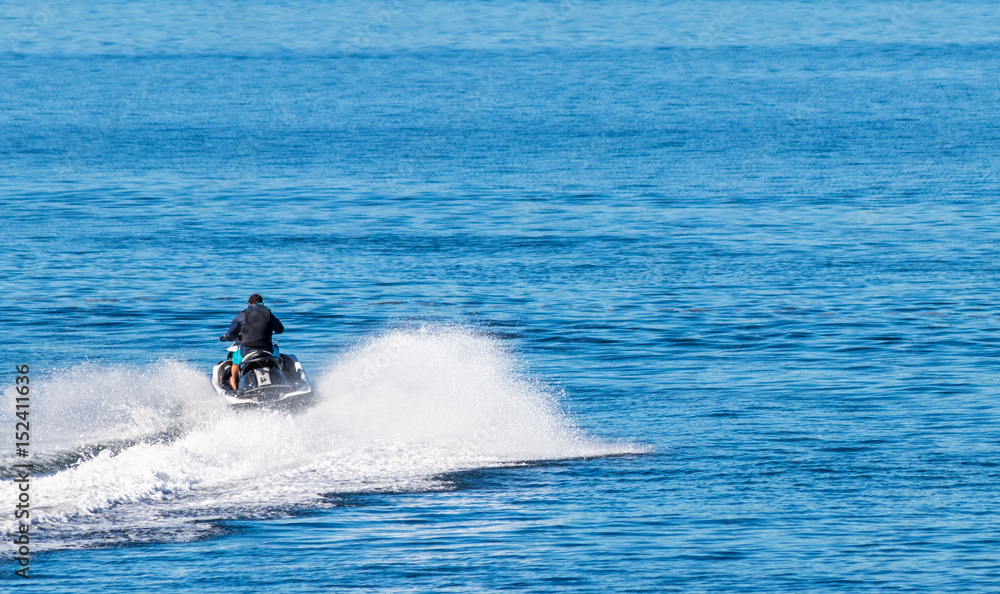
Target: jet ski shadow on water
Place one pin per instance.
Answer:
(268, 381)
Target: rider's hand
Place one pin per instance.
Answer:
(223, 338)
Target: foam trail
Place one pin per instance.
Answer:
(451, 388)
(155, 450)
(93, 406)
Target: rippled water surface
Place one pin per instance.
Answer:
(639, 296)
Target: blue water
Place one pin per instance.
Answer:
(603, 296)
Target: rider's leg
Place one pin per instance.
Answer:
(234, 378)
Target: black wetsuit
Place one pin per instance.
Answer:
(253, 328)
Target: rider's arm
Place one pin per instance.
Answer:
(276, 325)
(234, 328)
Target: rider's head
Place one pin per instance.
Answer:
(255, 298)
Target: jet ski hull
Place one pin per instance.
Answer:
(272, 382)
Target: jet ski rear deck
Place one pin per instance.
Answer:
(266, 381)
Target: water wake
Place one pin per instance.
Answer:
(146, 454)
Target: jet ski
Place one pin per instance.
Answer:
(267, 380)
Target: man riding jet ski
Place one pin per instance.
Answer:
(252, 327)
(256, 373)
